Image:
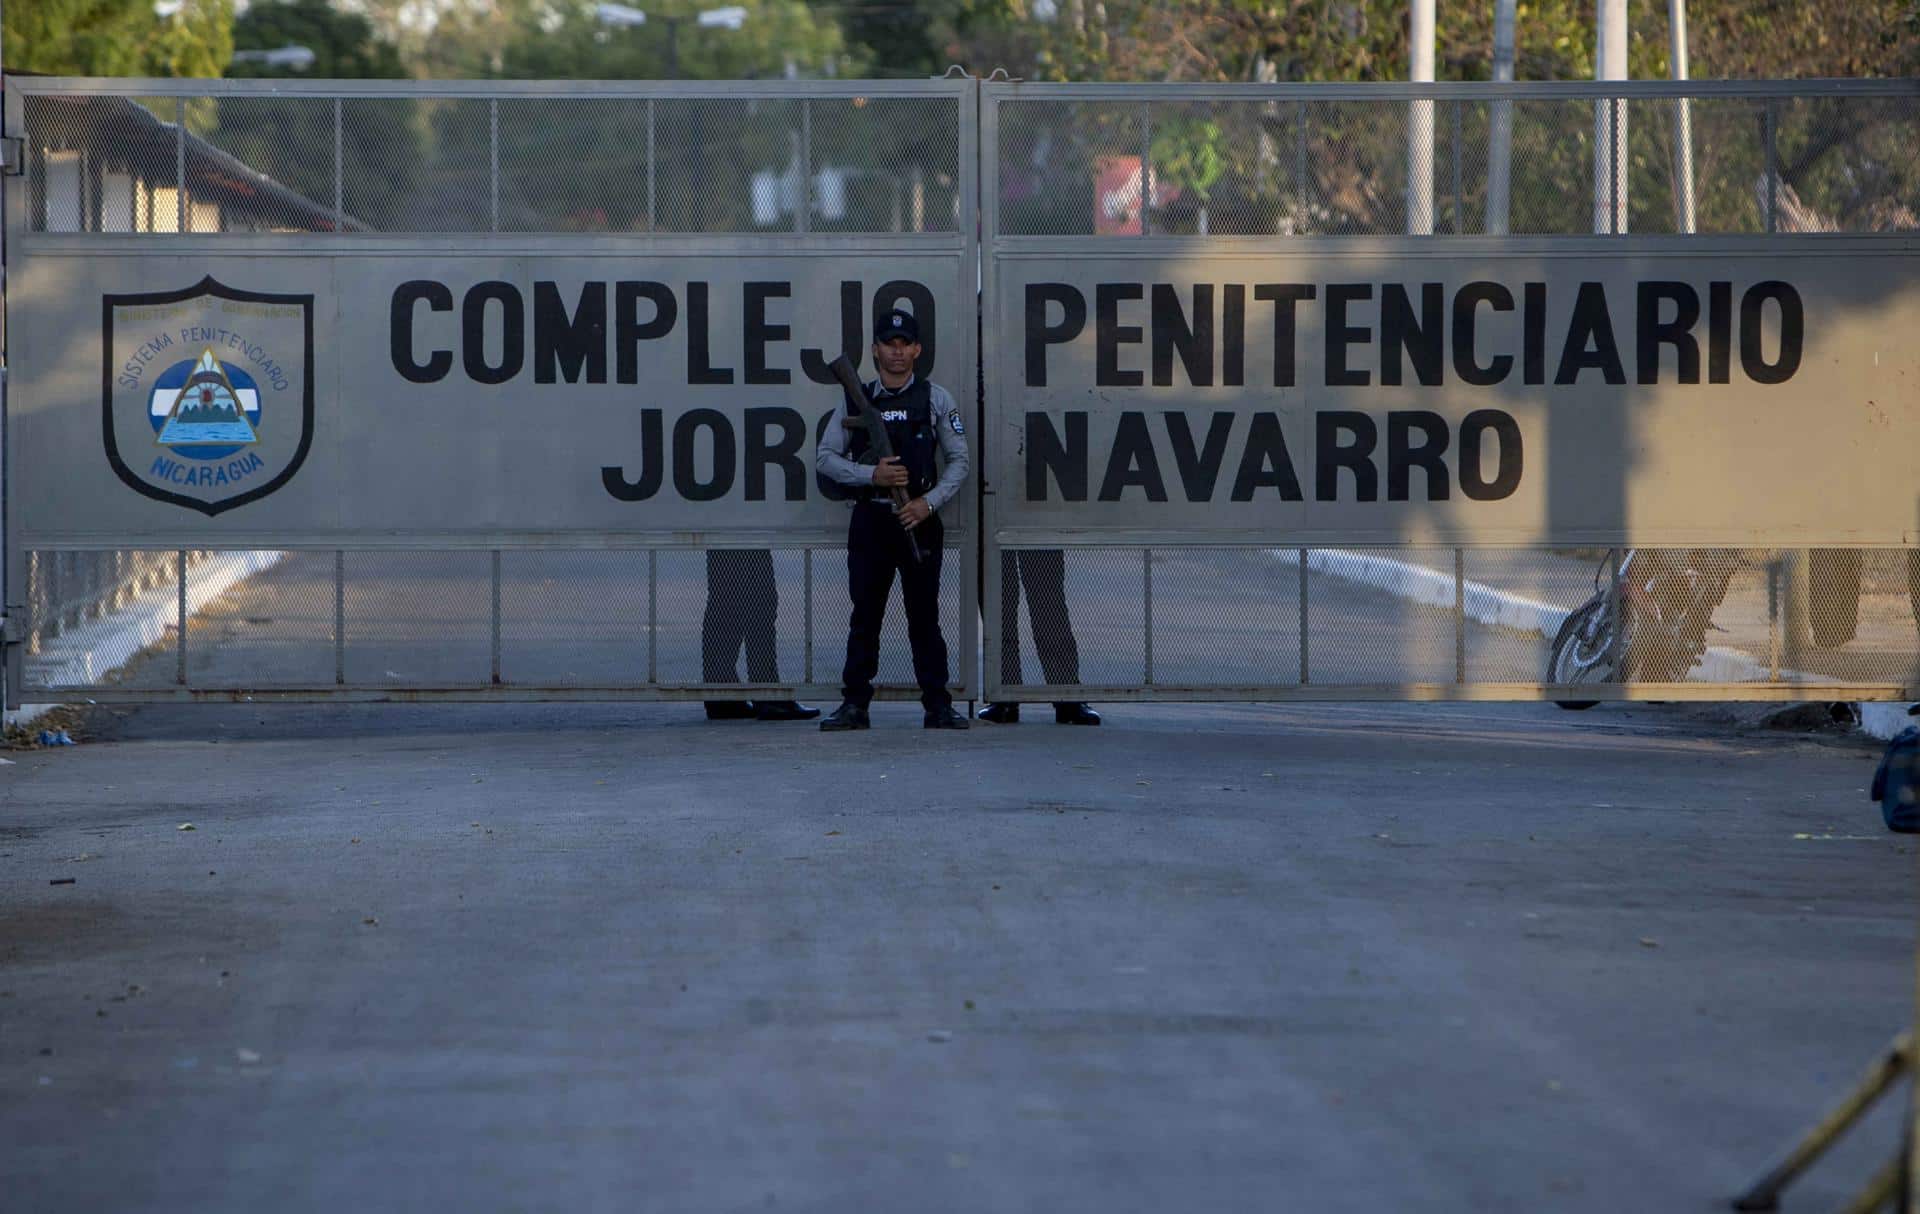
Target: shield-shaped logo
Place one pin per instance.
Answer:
(207, 392)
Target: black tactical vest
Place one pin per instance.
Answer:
(909, 421)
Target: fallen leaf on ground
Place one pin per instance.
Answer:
(184, 826)
(1649, 942)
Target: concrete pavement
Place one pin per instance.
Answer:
(1321, 958)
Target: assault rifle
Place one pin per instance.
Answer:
(878, 440)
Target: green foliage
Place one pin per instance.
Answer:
(119, 38)
(343, 43)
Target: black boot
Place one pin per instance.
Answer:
(1001, 714)
(1075, 714)
(783, 710)
(729, 710)
(848, 716)
(945, 717)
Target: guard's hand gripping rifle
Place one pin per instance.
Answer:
(878, 440)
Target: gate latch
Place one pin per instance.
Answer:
(13, 155)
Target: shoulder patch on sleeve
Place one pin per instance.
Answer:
(953, 419)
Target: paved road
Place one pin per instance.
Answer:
(616, 958)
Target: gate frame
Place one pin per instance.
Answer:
(998, 359)
(962, 243)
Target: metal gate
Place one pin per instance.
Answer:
(1324, 391)
(510, 391)
(502, 391)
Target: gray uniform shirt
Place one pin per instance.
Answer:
(830, 457)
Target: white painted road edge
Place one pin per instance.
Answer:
(88, 655)
(1495, 608)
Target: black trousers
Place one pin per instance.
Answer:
(1043, 574)
(877, 549)
(742, 603)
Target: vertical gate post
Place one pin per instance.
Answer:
(1303, 618)
(339, 617)
(1146, 575)
(180, 619)
(496, 617)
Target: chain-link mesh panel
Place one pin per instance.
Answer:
(574, 164)
(418, 619)
(260, 619)
(1070, 168)
(1369, 623)
(728, 165)
(419, 164)
(1224, 616)
(241, 144)
(1847, 164)
(104, 164)
(833, 609)
(885, 164)
(574, 618)
(1194, 619)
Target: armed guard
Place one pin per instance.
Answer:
(924, 428)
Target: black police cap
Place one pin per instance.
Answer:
(896, 323)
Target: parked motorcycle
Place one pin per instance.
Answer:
(1648, 624)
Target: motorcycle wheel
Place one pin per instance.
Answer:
(1582, 650)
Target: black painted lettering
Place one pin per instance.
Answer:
(686, 478)
(700, 368)
(1041, 333)
(1719, 332)
(1651, 332)
(1752, 328)
(473, 329)
(783, 451)
(1066, 461)
(563, 346)
(1109, 334)
(1233, 334)
(1341, 335)
(1466, 359)
(1331, 455)
(1172, 331)
(615, 479)
(438, 298)
(1132, 461)
(1590, 344)
(1286, 297)
(1473, 430)
(853, 338)
(1266, 462)
(1418, 338)
(1403, 456)
(757, 332)
(1199, 469)
(629, 330)
(1533, 337)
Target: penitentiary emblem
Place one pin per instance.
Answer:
(208, 392)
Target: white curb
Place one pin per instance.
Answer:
(1484, 604)
(87, 657)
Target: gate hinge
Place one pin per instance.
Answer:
(13, 155)
(13, 628)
